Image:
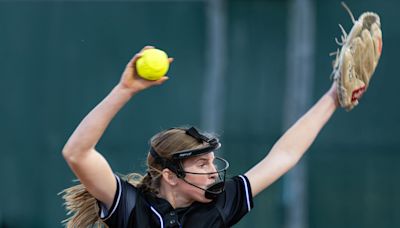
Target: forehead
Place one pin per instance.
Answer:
(207, 156)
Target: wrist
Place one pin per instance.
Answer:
(332, 95)
(125, 91)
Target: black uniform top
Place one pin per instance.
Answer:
(134, 208)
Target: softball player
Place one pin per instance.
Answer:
(185, 184)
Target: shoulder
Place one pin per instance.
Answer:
(124, 202)
(236, 201)
(238, 185)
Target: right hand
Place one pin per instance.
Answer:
(132, 81)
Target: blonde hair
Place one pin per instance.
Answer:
(82, 207)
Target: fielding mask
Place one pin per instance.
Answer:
(175, 163)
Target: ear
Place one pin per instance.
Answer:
(169, 176)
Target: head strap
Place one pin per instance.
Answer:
(213, 144)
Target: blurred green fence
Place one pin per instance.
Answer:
(60, 58)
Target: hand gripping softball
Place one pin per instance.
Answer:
(356, 61)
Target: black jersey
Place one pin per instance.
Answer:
(134, 208)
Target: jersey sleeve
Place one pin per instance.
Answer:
(122, 206)
(237, 200)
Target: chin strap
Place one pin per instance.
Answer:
(212, 191)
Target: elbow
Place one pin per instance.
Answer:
(67, 154)
(70, 154)
(74, 155)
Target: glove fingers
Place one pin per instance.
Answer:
(355, 30)
(377, 38)
(340, 78)
(344, 78)
(350, 88)
(357, 51)
(368, 56)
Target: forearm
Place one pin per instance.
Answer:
(302, 134)
(89, 166)
(293, 144)
(92, 127)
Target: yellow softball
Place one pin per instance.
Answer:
(153, 64)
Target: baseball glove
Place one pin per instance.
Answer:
(357, 59)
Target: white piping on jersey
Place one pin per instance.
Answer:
(158, 215)
(247, 192)
(119, 196)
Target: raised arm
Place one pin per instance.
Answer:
(89, 166)
(288, 150)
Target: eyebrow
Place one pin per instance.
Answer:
(203, 159)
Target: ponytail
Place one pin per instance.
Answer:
(151, 181)
(83, 207)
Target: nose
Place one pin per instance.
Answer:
(214, 173)
(213, 176)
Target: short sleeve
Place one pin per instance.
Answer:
(236, 201)
(122, 206)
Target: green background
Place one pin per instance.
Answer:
(60, 58)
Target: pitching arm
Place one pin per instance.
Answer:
(89, 166)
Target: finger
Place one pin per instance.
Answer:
(368, 55)
(147, 47)
(161, 80)
(377, 38)
(136, 57)
(170, 60)
(358, 49)
(132, 62)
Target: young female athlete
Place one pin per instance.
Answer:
(185, 183)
